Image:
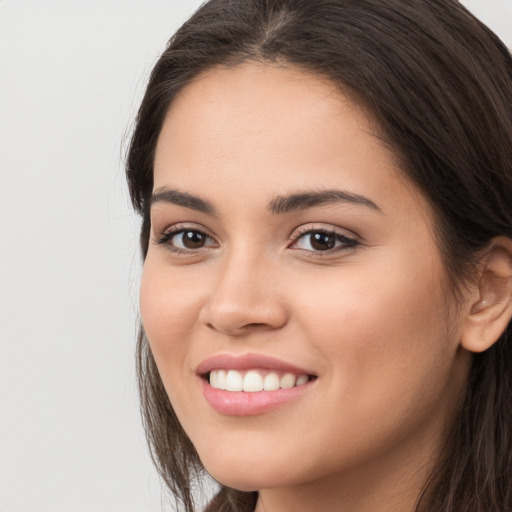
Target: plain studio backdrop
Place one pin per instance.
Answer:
(72, 74)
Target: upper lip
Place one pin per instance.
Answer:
(248, 362)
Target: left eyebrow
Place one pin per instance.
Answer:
(304, 200)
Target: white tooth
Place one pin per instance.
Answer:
(271, 382)
(302, 379)
(253, 381)
(221, 379)
(287, 381)
(234, 381)
(214, 379)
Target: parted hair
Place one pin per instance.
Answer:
(439, 85)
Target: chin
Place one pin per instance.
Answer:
(248, 475)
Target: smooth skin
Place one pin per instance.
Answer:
(363, 306)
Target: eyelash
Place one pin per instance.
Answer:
(345, 241)
(166, 236)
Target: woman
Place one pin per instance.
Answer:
(325, 193)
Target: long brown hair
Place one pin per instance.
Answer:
(439, 84)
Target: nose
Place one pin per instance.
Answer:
(245, 298)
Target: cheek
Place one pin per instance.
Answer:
(382, 328)
(383, 336)
(380, 301)
(168, 307)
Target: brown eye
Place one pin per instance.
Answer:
(187, 240)
(193, 239)
(323, 241)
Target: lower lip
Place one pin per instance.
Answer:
(233, 403)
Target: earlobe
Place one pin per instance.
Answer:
(491, 312)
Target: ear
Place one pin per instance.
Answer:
(490, 309)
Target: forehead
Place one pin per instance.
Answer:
(256, 98)
(270, 128)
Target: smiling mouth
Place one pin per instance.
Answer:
(251, 384)
(254, 380)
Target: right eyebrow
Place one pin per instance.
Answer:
(174, 196)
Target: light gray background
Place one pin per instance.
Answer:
(71, 76)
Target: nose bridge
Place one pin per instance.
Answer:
(245, 294)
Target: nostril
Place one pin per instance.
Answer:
(242, 328)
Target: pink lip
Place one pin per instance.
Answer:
(244, 403)
(249, 404)
(247, 362)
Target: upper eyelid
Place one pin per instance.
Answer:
(326, 228)
(184, 226)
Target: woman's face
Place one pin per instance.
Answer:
(287, 250)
